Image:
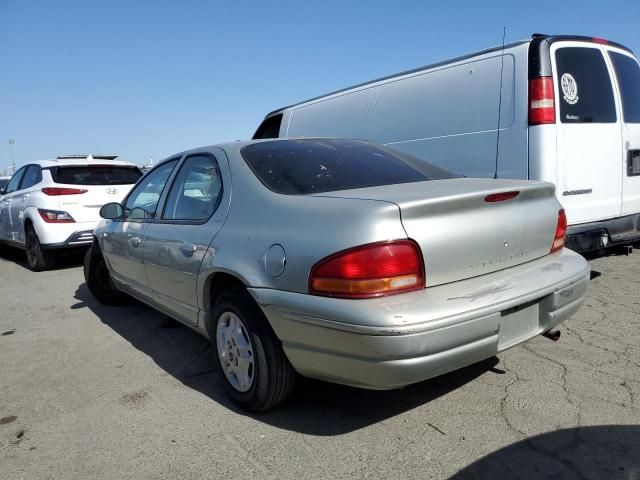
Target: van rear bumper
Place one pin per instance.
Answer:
(605, 233)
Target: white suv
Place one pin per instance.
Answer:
(54, 204)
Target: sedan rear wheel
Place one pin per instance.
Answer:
(256, 372)
(235, 351)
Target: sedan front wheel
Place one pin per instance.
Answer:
(98, 278)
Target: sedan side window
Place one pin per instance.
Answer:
(13, 184)
(196, 190)
(142, 202)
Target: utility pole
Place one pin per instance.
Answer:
(12, 166)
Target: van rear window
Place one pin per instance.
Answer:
(96, 175)
(584, 86)
(301, 167)
(628, 75)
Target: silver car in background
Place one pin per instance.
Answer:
(340, 260)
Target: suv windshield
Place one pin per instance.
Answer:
(299, 167)
(96, 174)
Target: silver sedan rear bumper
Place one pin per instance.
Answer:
(395, 341)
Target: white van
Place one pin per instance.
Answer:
(565, 109)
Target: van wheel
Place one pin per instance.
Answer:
(257, 374)
(98, 278)
(38, 259)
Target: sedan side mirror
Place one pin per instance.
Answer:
(1, 191)
(111, 211)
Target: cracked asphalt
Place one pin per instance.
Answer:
(88, 391)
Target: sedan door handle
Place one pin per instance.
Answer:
(188, 249)
(135, 241)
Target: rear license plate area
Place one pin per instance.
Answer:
(518, 323)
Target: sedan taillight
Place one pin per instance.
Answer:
(371, 270)
(55, 216)
(57, 191)
(561, 232)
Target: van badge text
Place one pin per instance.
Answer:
(584, 191)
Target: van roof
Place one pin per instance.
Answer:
(536, 37)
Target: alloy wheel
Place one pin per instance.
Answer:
(235, 351)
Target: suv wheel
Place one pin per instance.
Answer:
(98, 278)
(256, 372)
(38, 259)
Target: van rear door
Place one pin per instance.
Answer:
(627, 74)
(589, 146)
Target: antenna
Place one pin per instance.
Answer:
(504, 32)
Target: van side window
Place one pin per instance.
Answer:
(628, 75)
(270, 128)
(584, 87)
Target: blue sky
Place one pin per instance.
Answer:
(150, 78)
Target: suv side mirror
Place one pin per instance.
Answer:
(111, 211)
(1, 191)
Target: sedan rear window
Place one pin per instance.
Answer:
(301, 167)
(96, 175)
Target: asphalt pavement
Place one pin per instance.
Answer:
(88, 391)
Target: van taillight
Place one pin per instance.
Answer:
(561, 232)
(541, 101)
(372, 270)
(57, 191)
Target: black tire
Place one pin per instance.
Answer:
(273, 376)
(98, 278)
(38, 259)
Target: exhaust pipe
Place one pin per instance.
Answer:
(552, 335)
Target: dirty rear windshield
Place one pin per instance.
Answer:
(96, 175)
(301, 167)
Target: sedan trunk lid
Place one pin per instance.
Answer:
(461, 232)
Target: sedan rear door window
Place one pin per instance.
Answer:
(196, 190)
(301, 167)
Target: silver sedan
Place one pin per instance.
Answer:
(340, 260)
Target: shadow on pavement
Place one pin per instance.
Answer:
(63, 258)
(600, 452)
(315, 407)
